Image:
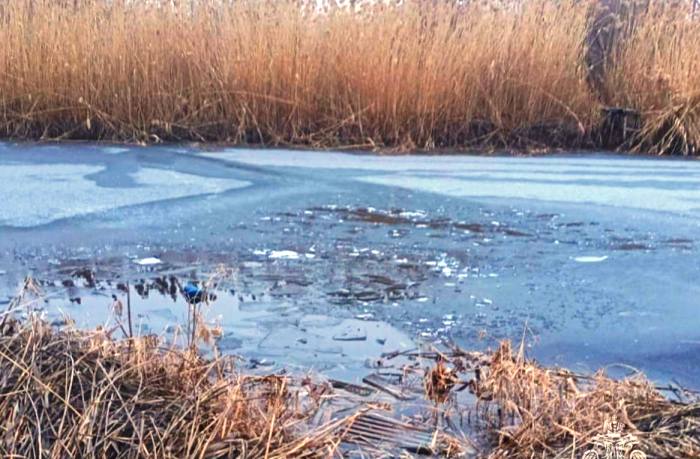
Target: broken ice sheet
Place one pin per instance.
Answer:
(351, 334)
(284, 255)
(148, 261)
(590, 259)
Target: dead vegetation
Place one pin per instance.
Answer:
(657, 73)
(66, 392)
(439, 381)
(71, 393)
(540, 412)
(80, 394)
(384, 75)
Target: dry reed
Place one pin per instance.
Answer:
(554, 413)
(405, 75)
(658, 74)
(70, 393)
(82, 394)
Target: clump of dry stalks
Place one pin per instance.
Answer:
(543, 412)
(82, 394)
(439, 381)
(657, 73)
(71, 393)
(391, 74)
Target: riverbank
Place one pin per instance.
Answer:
(414, 76)
(88, 394)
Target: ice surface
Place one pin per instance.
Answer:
(646, 184)
(616, 195)
(536, 220)
(43, 193)
(451, 163)
(148, 261)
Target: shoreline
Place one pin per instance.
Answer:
(214, 147)
(446, 403)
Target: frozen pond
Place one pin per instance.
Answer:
(338, 258)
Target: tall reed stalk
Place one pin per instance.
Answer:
(410, 74)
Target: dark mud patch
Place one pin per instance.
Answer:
(418, 219)
(680, 243)
(632, 246)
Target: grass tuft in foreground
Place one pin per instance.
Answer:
(393, 75)
(541, 412)
(70, 393)
(82, 394)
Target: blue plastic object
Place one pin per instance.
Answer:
(193, 293)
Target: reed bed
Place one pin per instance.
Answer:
(385, 75)
(73, 393)
(657, 73)
(553, 413)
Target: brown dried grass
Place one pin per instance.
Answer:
(82, 394)
(407, 75)
(658, 74)
(438, 382)
(70, 393)
(540, 412)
